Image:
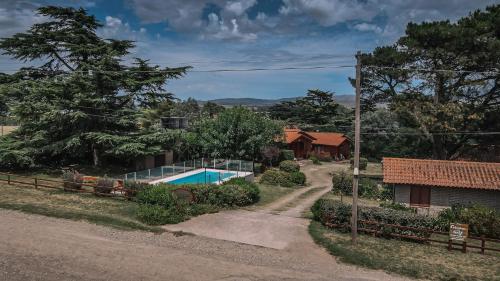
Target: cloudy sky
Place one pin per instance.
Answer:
(242, 34)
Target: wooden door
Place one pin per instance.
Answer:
(420, 196)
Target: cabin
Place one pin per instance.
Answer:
(437, 184)
(329, 144)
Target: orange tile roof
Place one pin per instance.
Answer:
(333, 139)
(461, 174)
(292, 135)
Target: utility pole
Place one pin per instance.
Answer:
(357, 128)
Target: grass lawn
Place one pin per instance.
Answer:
(269, 194)
(407, 258)
(75, 206)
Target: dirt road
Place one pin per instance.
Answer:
(42, 248)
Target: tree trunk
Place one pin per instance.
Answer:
(438, 148)
(95, 156)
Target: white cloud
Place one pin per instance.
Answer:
(239, 7)
(218, 29)
(116, 28)
(113, 22)
(364, 27)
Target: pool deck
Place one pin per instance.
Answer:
(193, 172)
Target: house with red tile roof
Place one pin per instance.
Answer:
(322, 144)
(437, 184)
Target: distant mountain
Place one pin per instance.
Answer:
(345, 100)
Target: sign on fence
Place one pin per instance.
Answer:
(459, 232)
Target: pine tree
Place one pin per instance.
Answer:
(83, 104)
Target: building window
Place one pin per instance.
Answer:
(420, 196)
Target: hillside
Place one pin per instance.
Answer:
(345, 100)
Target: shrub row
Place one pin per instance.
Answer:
(235, 192)
(282, 178)
(287, 176)
(481, 220)
(327, 210)
(158, 204)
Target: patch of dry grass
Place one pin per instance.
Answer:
(432, 262)
(77, 206)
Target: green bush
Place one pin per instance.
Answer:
(289, 166)
(72, 180)
(235, 192)
(342, 183)
(327, 210)
(286, 154)
(133, 187)
(298, 178)
(363, 163)
(482, 220)
(159, 194)
(104, 186)
(158, 215)
(276, 177)
(315, 160)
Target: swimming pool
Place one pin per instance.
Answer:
(203, 177)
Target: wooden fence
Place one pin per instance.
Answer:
(116, 191)
(427, 235)
(119, 190)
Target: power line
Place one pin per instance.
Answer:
(215, 70)
(430, 70)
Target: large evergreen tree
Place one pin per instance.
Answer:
(83, 104)
(317, 108)
(443, 79)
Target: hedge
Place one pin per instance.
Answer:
(336, 212)
(158, 205)
(289, 166)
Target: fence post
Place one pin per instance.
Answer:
(162, 171)
(240, 165)
(464, 246)
(214, 163)
(202, 162)
(482, 244)
(449, 244)
(227, 165)
(135, 176)
(36, 183)
(8, 179)
(126, 177)
(184, 166)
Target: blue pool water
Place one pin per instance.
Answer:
(203, 177)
